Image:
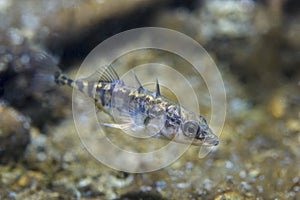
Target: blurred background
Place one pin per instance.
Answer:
(256, 46)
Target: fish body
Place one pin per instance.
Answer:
(141, 112)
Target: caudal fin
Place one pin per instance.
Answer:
(45, 70)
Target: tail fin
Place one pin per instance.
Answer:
(45, 70)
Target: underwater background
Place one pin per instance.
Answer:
(256, 47)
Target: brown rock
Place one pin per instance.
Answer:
(14, 134)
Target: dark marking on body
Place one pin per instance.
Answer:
(56, 77)
(79, 84)
(90, 88)
(100, 92)
(70, 82)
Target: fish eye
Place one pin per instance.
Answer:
(190, 129)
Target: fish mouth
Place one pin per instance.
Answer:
(211, 139)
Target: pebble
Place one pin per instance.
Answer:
(243, 174)
(229, 195)
(278, 106)
(160, 184)
(254, 173)
(293, 124)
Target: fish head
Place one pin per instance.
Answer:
(197, 130)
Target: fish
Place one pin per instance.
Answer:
(137, 110)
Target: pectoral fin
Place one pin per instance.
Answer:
(124, 127)
(204, 151)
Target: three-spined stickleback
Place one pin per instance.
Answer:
(137, 109)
